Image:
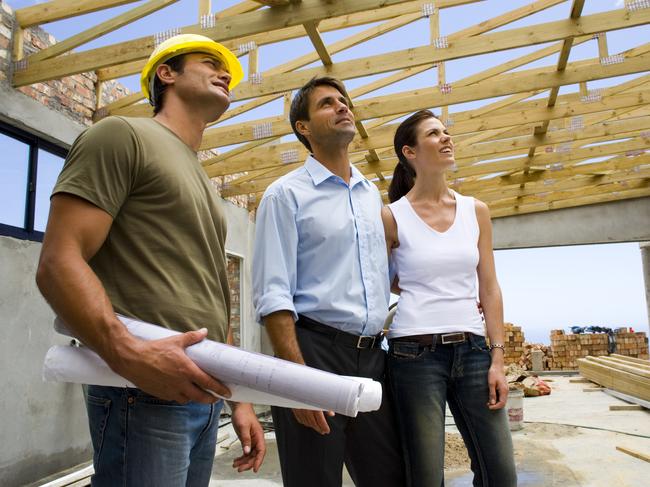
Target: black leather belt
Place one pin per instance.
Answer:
(342, 337)
(434, 338)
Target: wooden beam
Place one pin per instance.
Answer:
(630, 359)
(238, 8)
(636, 454)
(62, 9)
(100, 29)
(382, 137)
(591, 186)
(619, 366)
(291, 65)
(414, 100)
(369, 108)
(205, 8)
(460, 48)
(273, 3)
(246, 24)
(573, 202)
(317, 41)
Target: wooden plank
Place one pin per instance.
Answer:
(641, 456)
(205, 8)
(581, 187)
(273, 3)
(627, 398)
(460, 48)
(238, 8)
(626, 407)
(301, 61)
(626, 362)
(580, 380)
(382, 137)
(246, 24)
(317, 41)
(100, 29)
(573, 202)
(62, 9)
(417, 99)
(630, 359)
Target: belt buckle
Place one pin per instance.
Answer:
(448, 338)
(361, 337)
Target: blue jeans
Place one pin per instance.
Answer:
(422, 379)
(140, 440)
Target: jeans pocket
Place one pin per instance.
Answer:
(144, 398)
(479, 343)
(98, 412)
(406, 351)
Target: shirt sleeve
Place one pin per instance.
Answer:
(274, 257)
(102, 165)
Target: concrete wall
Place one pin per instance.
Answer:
(241, 234)
(42, 425)
(618, 221)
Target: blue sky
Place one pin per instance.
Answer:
(543, 288)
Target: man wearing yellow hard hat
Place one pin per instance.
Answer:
(136, 228)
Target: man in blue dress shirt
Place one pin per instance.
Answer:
(321, 288)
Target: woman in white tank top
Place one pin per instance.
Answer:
(440, 244)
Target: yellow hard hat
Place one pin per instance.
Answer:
(184, 44)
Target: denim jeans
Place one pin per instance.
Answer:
(422, 379)
(140, 440)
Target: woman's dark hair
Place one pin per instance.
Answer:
(404, 174)
(177, 63)
(300, 104)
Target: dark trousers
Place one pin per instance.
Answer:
(423, 379)
(368, 444)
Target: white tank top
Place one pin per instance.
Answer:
(437, 272)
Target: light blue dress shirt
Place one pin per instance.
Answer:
(320, 250)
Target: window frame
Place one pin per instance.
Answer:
(35, 143)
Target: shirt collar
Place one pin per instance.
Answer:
(320, 173)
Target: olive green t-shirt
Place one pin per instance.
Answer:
(164, 259)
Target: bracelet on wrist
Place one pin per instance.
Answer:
(498, 345)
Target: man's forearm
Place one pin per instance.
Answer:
(281, 329)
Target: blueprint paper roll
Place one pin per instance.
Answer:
(251, 376)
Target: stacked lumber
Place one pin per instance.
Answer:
(568, 348)
(525, 360)
(620, 373)
(632, 344)
(514, 343)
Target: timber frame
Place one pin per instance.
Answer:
(531, 150)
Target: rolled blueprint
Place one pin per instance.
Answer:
(251, 377)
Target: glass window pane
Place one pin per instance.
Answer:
(49, 167)
(14, 170)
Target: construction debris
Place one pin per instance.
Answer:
(531, 385)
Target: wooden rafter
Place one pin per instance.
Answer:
(519, 152)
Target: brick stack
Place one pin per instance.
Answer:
(632, 344)
(514, 343)
(567, 349)
(525, 361)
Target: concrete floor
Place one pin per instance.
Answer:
(569, 439)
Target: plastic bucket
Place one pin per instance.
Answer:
(515, 409)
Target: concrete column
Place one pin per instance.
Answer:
(645, 259)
